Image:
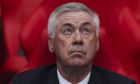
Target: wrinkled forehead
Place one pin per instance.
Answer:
(77, 18)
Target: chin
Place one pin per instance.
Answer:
(77, 63)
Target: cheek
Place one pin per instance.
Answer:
(64, 41)
(92, 47)
(61, 46)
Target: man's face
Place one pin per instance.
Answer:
(75, 41)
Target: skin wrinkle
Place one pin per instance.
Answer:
(74, 52)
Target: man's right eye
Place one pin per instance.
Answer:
(67, 31)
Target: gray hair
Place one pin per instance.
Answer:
(70, 7)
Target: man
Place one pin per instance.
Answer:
(73, 36)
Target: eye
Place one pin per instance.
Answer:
(86, 30)
(67, 30)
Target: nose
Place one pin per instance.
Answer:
(78, 38)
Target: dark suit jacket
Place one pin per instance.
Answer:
(48, 75)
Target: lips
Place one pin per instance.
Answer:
(77, 52)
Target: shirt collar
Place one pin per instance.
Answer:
(64, 81)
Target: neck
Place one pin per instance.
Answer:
(73, 74)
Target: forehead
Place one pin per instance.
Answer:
(74, 17)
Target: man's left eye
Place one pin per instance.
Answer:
(85, 31)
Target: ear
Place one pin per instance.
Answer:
(50, 43)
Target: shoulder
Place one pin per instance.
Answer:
(33, 76)
(111, 77)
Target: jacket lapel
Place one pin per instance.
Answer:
(95, 77)
(51, 77)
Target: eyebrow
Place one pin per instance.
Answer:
(67, 24)
(86, 23)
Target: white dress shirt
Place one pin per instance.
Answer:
(64, 81)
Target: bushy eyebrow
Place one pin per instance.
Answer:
(67, 24)
(88, 24)
(85, 23)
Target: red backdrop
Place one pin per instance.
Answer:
(25, 36)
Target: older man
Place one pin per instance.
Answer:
(73, 36)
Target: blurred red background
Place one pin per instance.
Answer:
(23, 35)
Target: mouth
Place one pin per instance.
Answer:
(77, 53)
